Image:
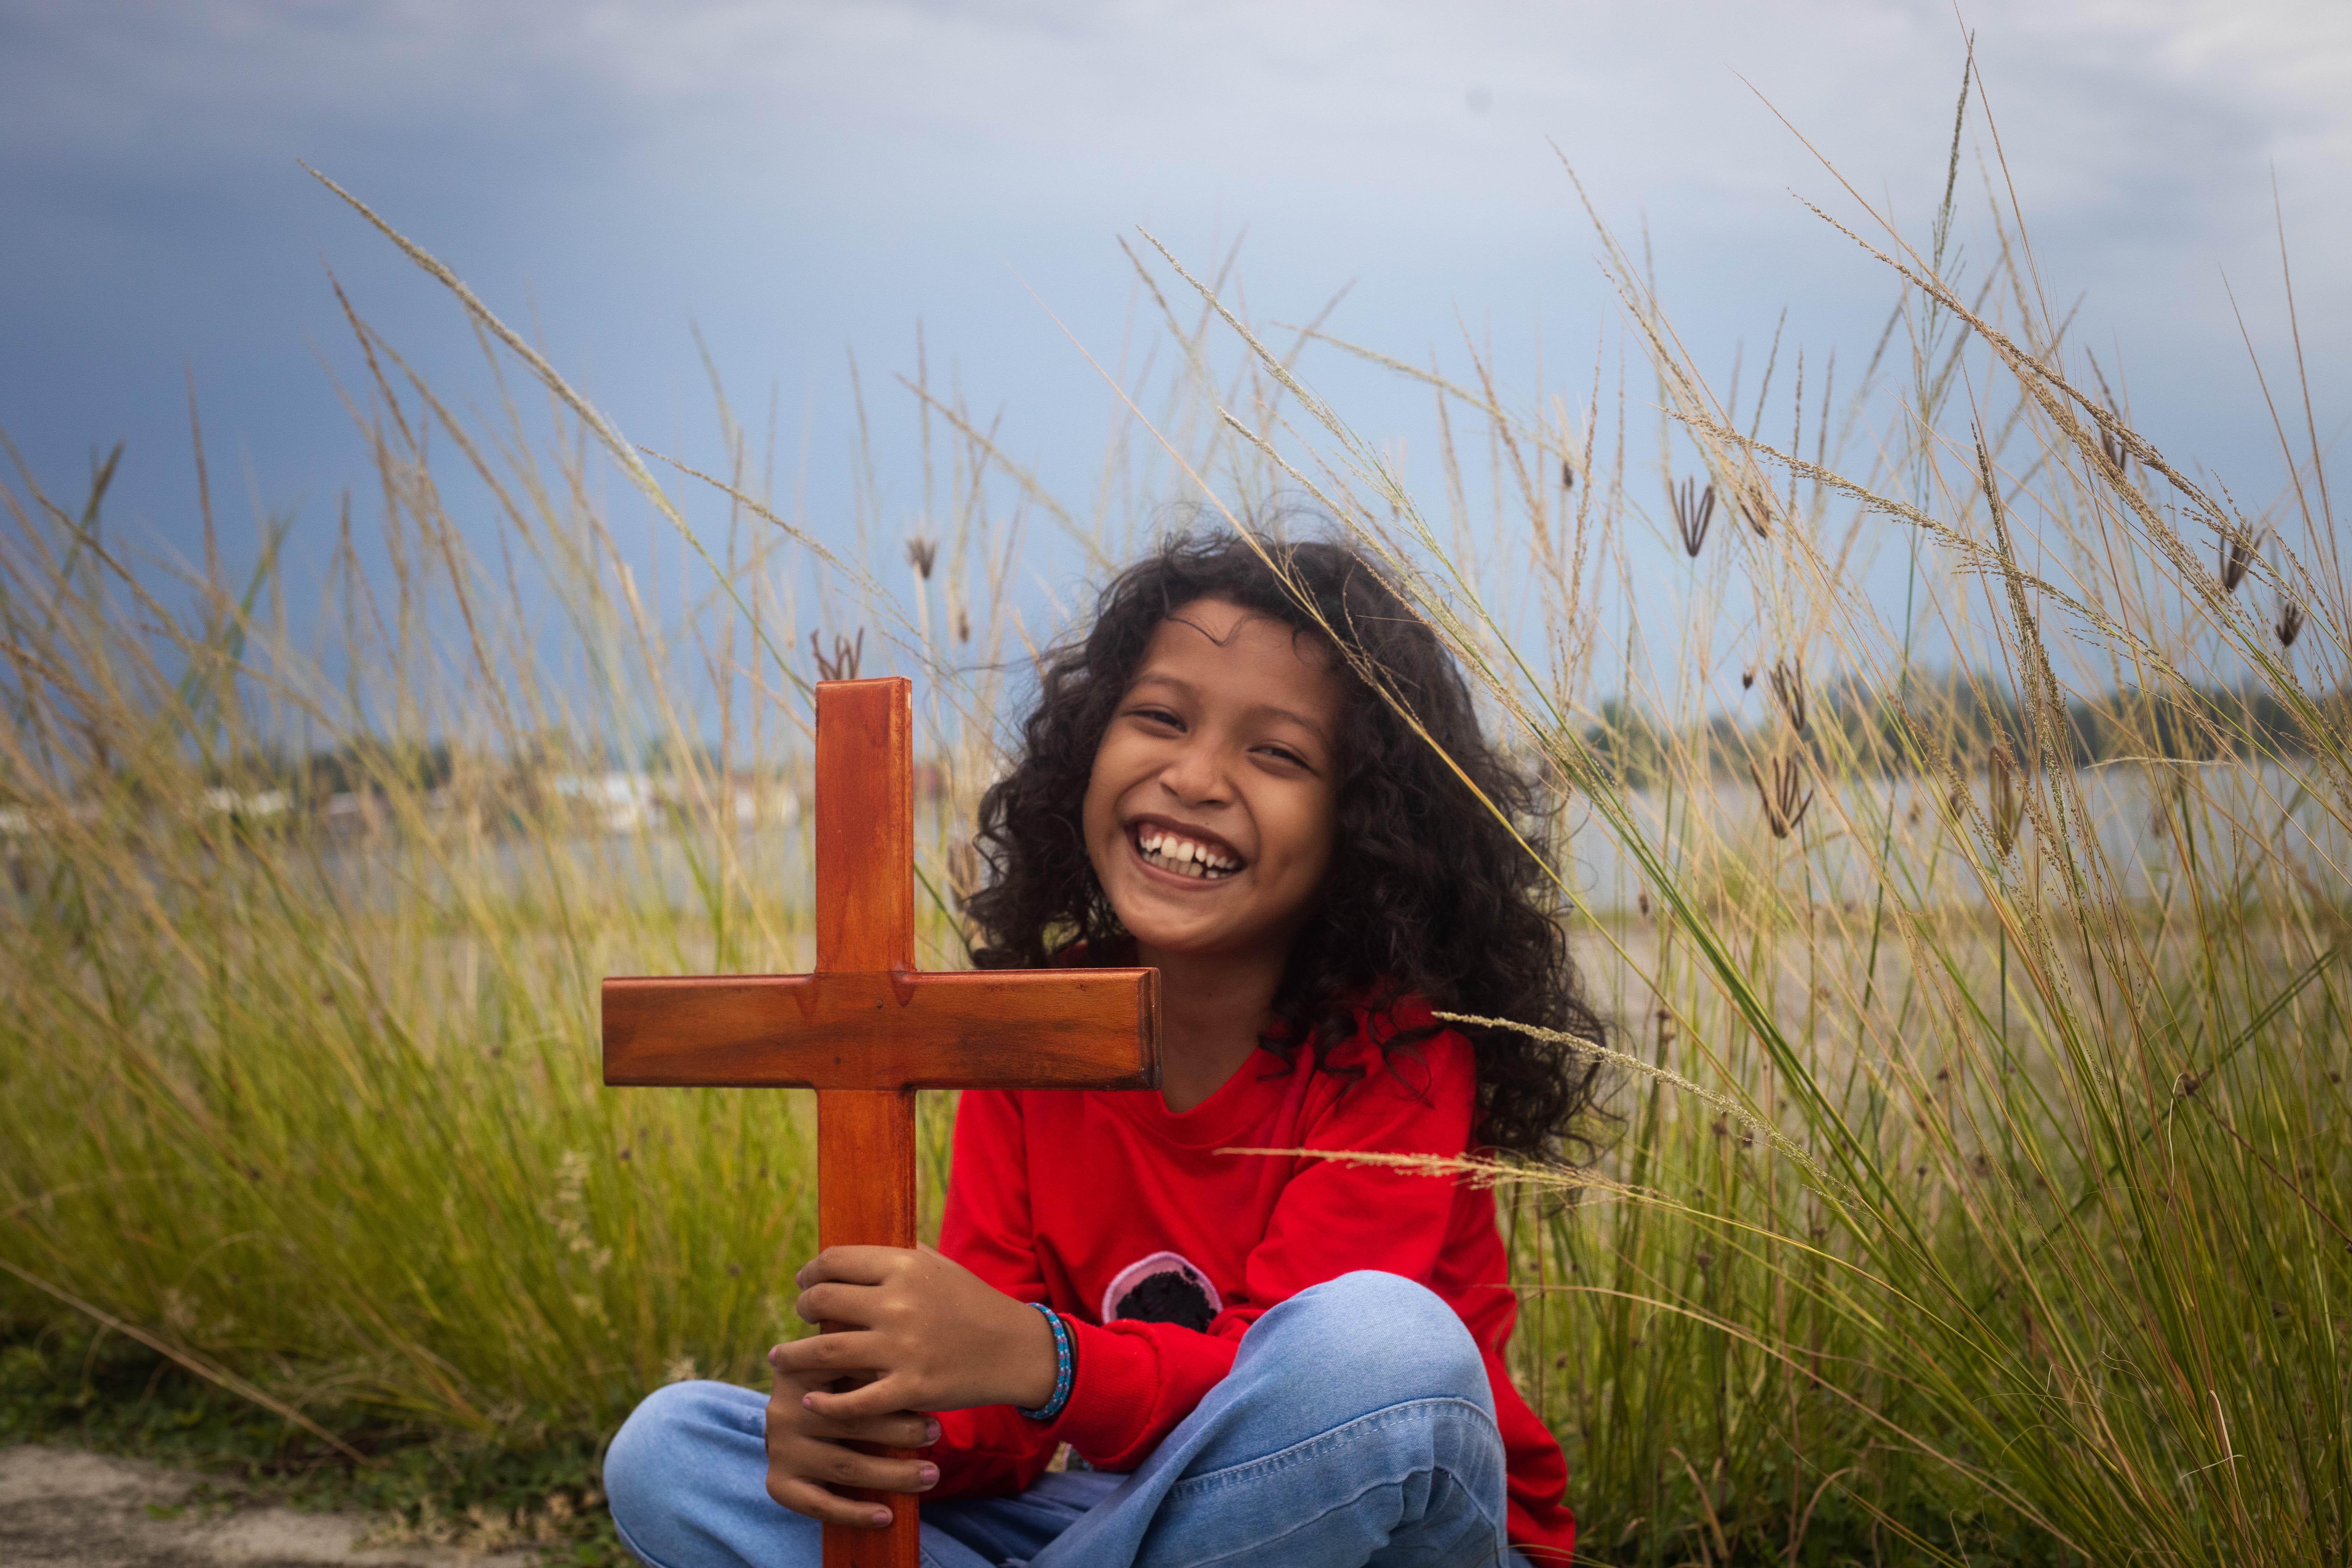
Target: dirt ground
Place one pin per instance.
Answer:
(61, 1508)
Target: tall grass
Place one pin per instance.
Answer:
(2058, 1267)
(1975, 1194)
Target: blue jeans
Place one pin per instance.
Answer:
(1355, 1428)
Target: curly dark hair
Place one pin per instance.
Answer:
(1427, 894)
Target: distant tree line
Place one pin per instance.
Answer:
(378, 766)
(1850, 724)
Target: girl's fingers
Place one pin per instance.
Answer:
(910, 1430)
(828, 1356)
(851, 1265)
(899, 1429)
(808, 1499)
(833, 1465)
(885, 1396)
(830, 1301)
(808, 1476)
(904, 1429)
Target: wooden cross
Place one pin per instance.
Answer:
(868, 1029)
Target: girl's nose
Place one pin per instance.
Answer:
(1196, 773)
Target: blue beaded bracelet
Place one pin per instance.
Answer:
(1053, 1407)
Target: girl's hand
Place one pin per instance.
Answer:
(934, 1334)
(808, 1455)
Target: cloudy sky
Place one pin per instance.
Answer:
(800, 179)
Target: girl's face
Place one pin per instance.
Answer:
(1210, 815)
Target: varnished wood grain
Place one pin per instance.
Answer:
(861, 1135)
(866, 925)
(866, 1030)
(865, 824)
(861, 1132)
(1038, 1028)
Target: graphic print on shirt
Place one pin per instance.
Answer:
(1165, 1288)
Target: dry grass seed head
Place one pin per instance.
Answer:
(846, 655)
(2008, 803)
(1788, 690)
(2289, 622)
(2237, 557)
(1694, 514)
(2111, 445)
(1784, 810)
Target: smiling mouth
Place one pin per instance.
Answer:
(1167, 850)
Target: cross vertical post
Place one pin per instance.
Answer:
(865, 837)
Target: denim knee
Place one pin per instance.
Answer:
(1399, 1340)
(651, 1463)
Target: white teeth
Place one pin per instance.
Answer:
(1183, 856)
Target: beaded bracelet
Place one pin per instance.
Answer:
(1053, 1407)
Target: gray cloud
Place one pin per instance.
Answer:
(801, 174)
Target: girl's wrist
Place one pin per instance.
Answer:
(1019, 1358)
(1046, 1361)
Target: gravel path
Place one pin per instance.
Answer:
(62, 1507)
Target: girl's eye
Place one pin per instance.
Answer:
(1286, 754)
(1156, 716)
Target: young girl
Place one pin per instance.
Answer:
(1256, 1359)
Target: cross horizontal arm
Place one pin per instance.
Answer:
(1026, 1028)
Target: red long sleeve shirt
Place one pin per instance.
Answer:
(1075, 1197)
